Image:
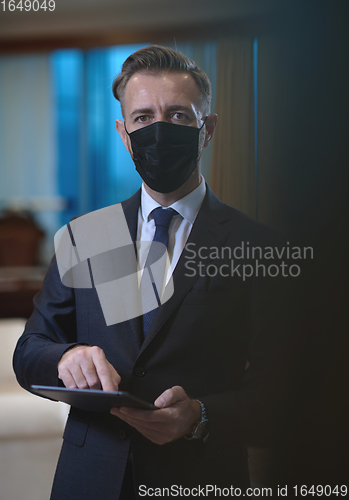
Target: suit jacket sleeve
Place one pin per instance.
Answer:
(49, 332)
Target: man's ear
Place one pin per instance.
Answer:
(120, 127)
(210, 124)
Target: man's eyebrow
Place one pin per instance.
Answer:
(142, 111)
(180, 107)
(173, 107)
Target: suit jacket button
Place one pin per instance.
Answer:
(140, 371)
(122, 434)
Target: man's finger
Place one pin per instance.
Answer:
(90, 373)
(137, 414)
(157, 434)
(104, 370)
(87, 367)
(151, 426)
(170, 396)
(147, 420)
(78, 376)
(67, 379)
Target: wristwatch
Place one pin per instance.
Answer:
(200, 430)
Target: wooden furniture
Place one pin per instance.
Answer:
(20, 276)
(20, 238)
(18, 285)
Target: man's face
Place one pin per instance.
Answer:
(171, 97)
(167, 96)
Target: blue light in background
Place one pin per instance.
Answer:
(94, 168)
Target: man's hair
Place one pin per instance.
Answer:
(155, 59)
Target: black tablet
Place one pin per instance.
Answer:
(92, 400)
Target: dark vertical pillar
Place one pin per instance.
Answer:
(303, 159)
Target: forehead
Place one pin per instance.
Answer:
(163, 89)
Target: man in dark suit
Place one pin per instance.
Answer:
(190, 355)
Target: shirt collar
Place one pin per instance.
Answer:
(188, 206)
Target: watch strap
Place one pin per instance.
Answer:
(200, 430)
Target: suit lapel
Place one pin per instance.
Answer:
(208, 231)
(131, 208)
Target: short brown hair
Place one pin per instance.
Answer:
(155, 59)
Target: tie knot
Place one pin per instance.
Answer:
(163, 216)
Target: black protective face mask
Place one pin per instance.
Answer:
(165, 154)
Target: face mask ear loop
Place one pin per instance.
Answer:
(129, 136)
(199, 128)
(126, 129)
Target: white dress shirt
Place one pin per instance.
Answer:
(180, 227)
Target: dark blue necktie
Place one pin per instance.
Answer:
(162, 218)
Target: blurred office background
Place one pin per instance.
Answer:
(280, 154)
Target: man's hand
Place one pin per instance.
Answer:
(175, 418)
(86, 367)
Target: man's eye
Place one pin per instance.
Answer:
(142, 118)
(179, 116)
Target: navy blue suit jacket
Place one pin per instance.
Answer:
(200, 339)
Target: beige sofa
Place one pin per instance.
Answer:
(30, 429)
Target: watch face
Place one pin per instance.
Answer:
(200, 429)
